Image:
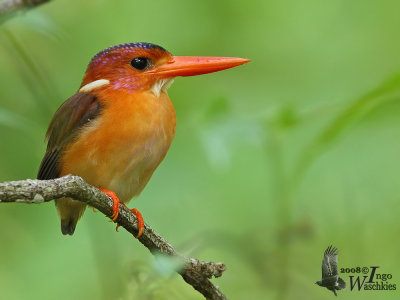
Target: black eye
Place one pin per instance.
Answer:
(140, 63)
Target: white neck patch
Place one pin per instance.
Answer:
(161, 85)
(94, 85)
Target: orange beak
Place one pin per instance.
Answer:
(197, 65)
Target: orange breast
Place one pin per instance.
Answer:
(120, 150)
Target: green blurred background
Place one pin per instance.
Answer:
(272, 161)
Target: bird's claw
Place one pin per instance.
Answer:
(140, 221)
(114, 216)
(115, 200)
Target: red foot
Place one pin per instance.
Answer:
(139, 220)
(94, 209)
(115, 200)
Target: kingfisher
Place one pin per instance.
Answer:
(117, 128)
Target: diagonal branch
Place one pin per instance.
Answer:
(195, 272)
(10, 7)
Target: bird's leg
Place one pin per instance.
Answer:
(139, 220)
(115, 200)
(114, 216)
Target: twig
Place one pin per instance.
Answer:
(10, 7)
(195, 272)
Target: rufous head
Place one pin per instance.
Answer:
(142, 66)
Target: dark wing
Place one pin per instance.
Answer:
(341, 284)
(329, 263)
(70, 117)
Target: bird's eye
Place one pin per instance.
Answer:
(140, 63)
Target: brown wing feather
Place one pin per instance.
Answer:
(70, 117)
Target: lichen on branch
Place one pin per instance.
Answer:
(195, 272)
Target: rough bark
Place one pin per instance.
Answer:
(195, 272)
(11, 7)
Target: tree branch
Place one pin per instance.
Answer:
(195, 272)
(10, 7)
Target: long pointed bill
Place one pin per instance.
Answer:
(197, 65)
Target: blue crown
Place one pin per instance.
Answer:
(129, 45)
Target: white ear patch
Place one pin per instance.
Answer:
(161, 85)
(94, 85)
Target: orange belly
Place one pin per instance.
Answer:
(121, 148)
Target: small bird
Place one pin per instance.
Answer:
(117, 128)
(330, 278)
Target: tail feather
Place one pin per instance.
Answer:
(70, 211)
(68, 226)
